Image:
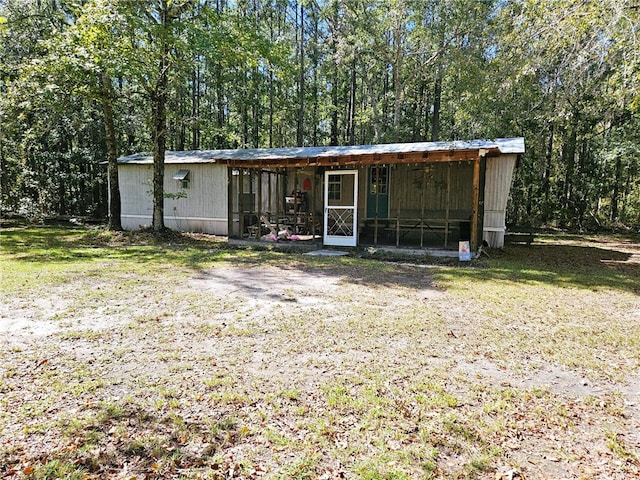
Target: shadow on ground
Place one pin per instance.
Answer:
(594, 262)
(604, 265)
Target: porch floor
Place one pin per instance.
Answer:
(316, 244)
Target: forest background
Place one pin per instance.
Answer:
(82, 82)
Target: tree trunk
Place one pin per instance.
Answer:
(615, 197)
(334, 107)
(221, 141)
(437, 97)
(314, 88)
(335, 76)
(244, 112)
(300, 129)
(631, 178)
(271, 87)
(546, 187)
(5, 195)
(374, 108)
(255, 108)
(418, 114)
(159, 120)
(569, 160)
(352, 106)
(397, 81)
(115, 222)
(425, 113)
(65, 172)
(582, 195)
(195, 109)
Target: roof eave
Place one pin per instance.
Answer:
(341, 156)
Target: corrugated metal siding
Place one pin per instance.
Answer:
(498, 178)
(204, 209)
(135, 195)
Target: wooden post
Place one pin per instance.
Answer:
(229, 202)
(312, 207)
(269, 192)
(398, 224)
(447, 206)
(278, 195)
(423, 186)
(482, 184)
(375, 231)
(476, 204)
(377, 209)
(241, 203)
(318, 193)
(259, 212)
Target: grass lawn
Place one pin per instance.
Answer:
(126, 357)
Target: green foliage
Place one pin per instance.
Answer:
(566, 59)
(565, 76)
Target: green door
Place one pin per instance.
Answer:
(378, 192)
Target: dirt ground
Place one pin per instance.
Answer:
(300, 368)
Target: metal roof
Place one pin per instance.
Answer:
(325, 155)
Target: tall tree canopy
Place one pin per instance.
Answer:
(83, 82)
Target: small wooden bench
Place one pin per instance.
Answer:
(519, 237)
(406, 229)
(441, 228)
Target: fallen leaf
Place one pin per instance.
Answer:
(42, 362)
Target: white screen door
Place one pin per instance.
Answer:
(341, 208)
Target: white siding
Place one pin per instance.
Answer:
(135, 195)
(496, 192)
(204, 209)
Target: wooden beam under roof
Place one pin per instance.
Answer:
(365, 159)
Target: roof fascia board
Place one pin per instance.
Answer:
(367, 159)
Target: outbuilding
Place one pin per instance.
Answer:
(427, 194)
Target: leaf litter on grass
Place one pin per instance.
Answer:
(279, 366)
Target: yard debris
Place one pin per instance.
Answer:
(39, 363)
(198, 367)
(508, 473)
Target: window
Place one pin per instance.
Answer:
(335, 187)
(183, 177)
(378, 181)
